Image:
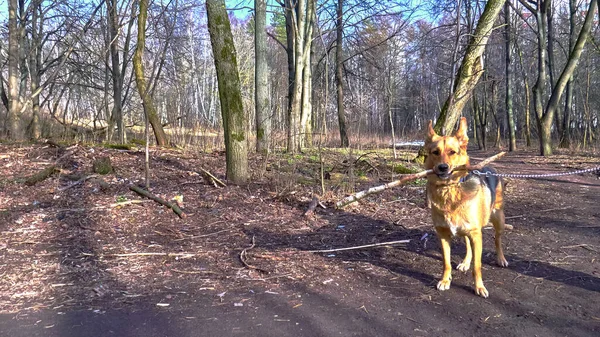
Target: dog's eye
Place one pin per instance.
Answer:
(436, 152)
(451, 152)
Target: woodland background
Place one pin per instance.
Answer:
(372, 68)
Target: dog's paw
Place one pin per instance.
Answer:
(464, 266)
(444, 285)
(502, 262)
(481, 291)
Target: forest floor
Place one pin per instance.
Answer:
(85, 260)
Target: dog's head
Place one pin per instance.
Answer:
(446, 153)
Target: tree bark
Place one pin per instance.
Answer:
(14, 104)
(547, 118)
(232, 110)
(35, 62)
(299, 17)
(117, 111)
(261, 73)
(565, 139)
(339, 76)
(138, 66)
(306, 109)
(469, 73)
(509, 79)
(471, 68)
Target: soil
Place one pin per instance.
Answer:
(88, 257)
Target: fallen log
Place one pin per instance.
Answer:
(410, 177)
(161, 201)
(42, 175)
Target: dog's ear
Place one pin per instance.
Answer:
(430, 132)
(461, 133)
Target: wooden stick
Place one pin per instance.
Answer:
(359, 247)
(143, 254)
(211, 178)
(163, 202)
(243, 258)
(62, 189)
(410, 177)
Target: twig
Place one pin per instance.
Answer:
(410, 177)
(163, 202)
(78, 182)
(143, 254)
(359, 247)
(243, 257)
(211, 178)
(202, 236)
(583, 245)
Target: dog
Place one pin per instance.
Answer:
(462, 203)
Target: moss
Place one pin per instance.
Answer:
(102, 165)
(260, 133)
(118, 146)
(401, 169)
(137, 141)
(238, 137)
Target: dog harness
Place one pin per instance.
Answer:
(489, 181)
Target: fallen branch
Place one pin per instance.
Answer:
(243, 258)
(211, 178)
(42, 175)
(78, 182)
(163, 202)
(359, 247)
(142, 254)
(410, 177)
(311, 207)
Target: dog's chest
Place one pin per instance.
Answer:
(456, 226)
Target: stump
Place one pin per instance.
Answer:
(102, 166)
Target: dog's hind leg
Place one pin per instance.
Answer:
(497, 220)
(445, 239)
(466, 262)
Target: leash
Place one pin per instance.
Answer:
(505, 175)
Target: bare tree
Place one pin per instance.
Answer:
(339, 74)
(143, 89)
(509, 78)
(14, 102)
(261, 91)
(232, 110)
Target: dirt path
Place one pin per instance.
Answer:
(551, 288)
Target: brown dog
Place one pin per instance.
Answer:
(461, 204)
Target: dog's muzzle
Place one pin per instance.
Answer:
(443, 171)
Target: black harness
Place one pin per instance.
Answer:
(489, 181)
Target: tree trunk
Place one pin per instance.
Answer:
(35, 61)
(553, 103)
(468, 74)
(339, 76)
(232, 110)
(117, 111)
(14, 104)
(306, 110)
(261, 71)
(551, 60)
(138, 66)
(300, 15)
(470, 69)
(509, 80)
(565, 139)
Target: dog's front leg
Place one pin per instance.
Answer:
(466, 262)
(476, 245)
(445, 238)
